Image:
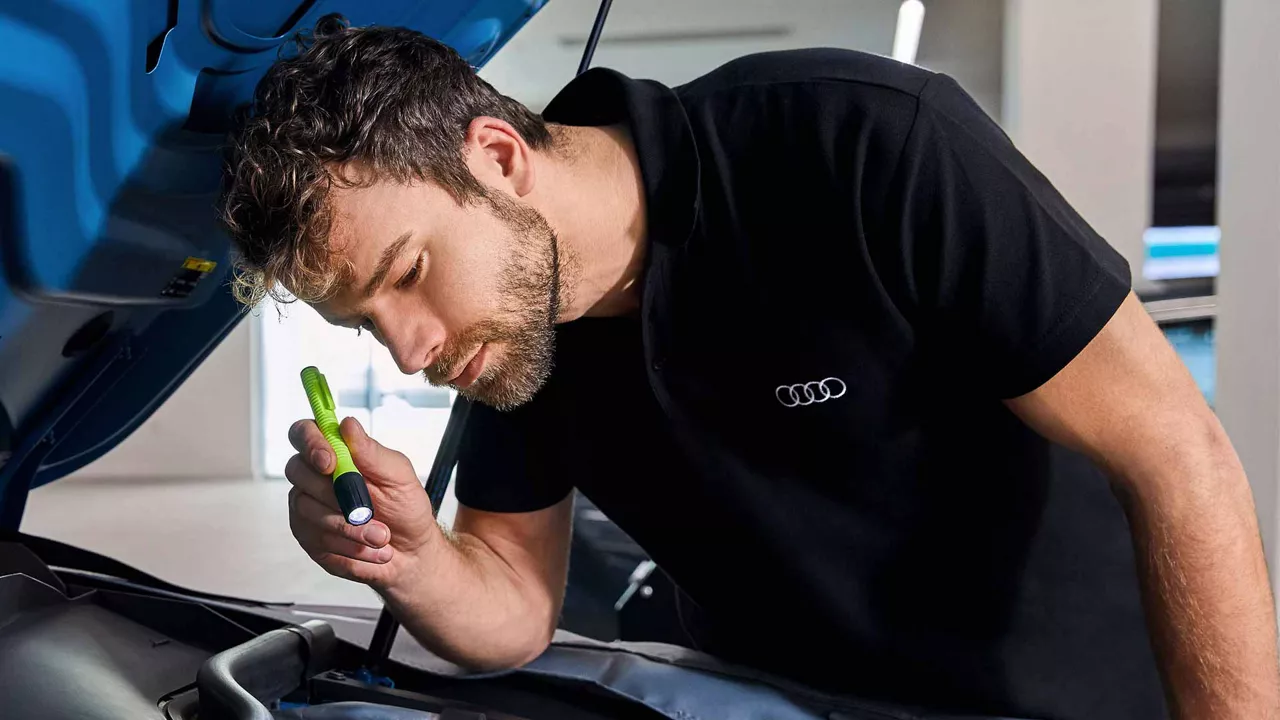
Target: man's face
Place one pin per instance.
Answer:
(468, 295)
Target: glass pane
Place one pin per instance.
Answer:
(290, 342)
(1194, 342)
(1179, 253)
(409, 414)
(401, 411)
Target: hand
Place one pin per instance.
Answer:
(381, 553)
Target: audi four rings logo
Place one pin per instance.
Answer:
(810, 392)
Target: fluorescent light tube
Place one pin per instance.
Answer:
(906, 39)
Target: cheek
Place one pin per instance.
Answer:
(465, 288)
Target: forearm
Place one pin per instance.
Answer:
(1204, 583)
(462, 601)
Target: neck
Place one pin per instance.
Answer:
(590, 190)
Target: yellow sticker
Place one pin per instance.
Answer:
(199, 264)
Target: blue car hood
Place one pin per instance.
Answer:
(112, 267)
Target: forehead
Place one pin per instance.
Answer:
(367, 219)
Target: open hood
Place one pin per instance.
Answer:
(112, 268)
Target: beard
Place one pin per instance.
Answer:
(530, 297)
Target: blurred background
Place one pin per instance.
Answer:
(1149, 115)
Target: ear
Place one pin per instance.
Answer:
(498, 156)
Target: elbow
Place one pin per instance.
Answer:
(1205, 455)
(541, 631)
(510, 657)
(534, 649)
(514, 646)
(1182, 457)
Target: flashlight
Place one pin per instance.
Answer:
(348, 483)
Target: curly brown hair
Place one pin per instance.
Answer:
(389, 101)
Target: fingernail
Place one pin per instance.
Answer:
(357, 432)
(384, 554)
(320, 459)
(376, 535)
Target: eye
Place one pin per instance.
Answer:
(413, 274)
(366, 324)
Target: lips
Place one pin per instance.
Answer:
(471, 371)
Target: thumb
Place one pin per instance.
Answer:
(374, 461)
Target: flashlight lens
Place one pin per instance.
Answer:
(360, 516)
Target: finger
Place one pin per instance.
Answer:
(306, 438)
(341, 547)
(318, 526)
(299, 431)
(372, 574)
(374, 461)
(305, 479)
(321, 545)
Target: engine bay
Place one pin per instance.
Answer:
(78, 643)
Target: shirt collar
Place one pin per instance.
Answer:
(663, 140)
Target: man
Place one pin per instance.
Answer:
(809, 328)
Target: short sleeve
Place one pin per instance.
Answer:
(503, 465)
(1007, 279)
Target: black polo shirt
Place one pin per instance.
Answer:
(849, 267)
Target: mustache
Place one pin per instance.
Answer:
(459, 350)
(448, 365)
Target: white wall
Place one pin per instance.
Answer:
(204, 430)
(1079, 101)
(1248, 325)
(649, 39)
(965, 39)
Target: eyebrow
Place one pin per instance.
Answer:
(385, 262)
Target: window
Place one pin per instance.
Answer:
(1182, 244)
(1193, 340)
(400, 411)
(1179, 253)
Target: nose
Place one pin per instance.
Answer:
(413, 345)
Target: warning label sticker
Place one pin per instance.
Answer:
(184, 282)
(199, 264)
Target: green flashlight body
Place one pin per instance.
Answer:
(348, 483)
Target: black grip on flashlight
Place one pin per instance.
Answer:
(352, 494)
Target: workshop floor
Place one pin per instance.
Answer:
(224, 536)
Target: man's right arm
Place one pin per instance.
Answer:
(486, 595)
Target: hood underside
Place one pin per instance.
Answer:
(112, 268)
